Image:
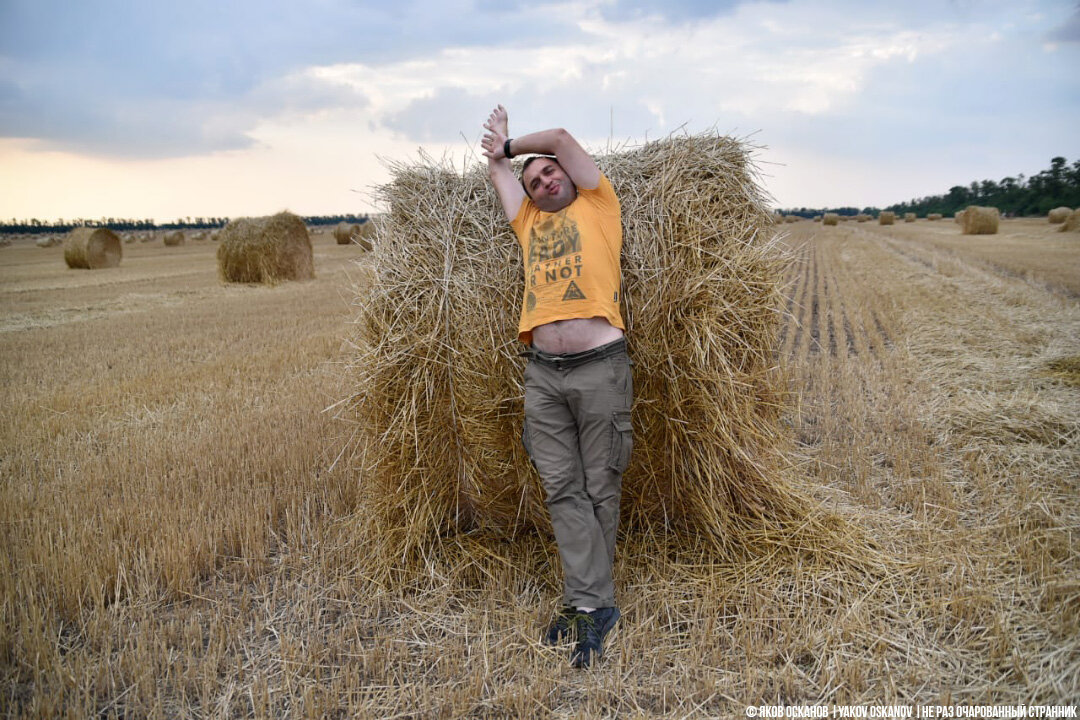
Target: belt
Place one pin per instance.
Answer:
(569, 360)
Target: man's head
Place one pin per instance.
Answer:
(547, 183)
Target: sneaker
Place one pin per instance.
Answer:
(562, 629)
(592, 628)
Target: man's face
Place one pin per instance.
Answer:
(548, 185)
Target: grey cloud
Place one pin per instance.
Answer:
(1069, 31)
(672, 10)
(74, 74)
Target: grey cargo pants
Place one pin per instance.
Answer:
(578, 435)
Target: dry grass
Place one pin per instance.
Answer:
(179, 543)
(1027, 248)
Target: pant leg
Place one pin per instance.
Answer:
(551, 434)
(601, 393)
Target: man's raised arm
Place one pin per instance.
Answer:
(510, 191)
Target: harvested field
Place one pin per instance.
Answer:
(180, 542)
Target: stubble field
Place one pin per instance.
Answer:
(180, 542)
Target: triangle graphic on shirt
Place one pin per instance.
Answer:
(573, 292)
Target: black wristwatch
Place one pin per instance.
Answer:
(506, 149)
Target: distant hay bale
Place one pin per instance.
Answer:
(933, 216)
(979, 220)
(830, 219)
(201, 236)
(343, 232)
(1059, 215)
(1072, 223)
(265, 249)
(438, 396)
(886, 217)
(173, 239)
(49, 241)
(862, 217)
(357, 233)
(909, 217)
(792, 218)
(817, 218)
(92, 248)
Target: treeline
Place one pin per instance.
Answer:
(1057, 186)
(35, 226)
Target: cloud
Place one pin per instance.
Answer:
(125, 77)
(1067, 32)
(675, 11)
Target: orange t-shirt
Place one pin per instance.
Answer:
(571, 260)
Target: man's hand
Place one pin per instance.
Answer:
(497, 125)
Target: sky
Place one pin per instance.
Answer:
(211, 108)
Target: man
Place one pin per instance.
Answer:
(578, 385)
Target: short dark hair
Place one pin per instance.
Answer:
(528, 161)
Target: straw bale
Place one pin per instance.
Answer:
(358, 233)
(1072, 223)
(438, 399)
(909, 217)
(933, 216)
(979, 220)
(49, 241)
(1059, 215)
(886, 217)
(862, 217)
(173, 239)
(265, 249)
(92, 248)
(830, 219)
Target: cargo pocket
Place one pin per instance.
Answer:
(622, 441)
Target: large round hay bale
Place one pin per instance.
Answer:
(933, 216)
(862, 217)
(909, 217)
(174, 239)
(1059, 215)
(265, 249)
(437, 376)
(1072, 223)
(978, 220)
(886, 217)
(92, 248)
(830, 219)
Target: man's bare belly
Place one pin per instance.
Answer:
(573, 336)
